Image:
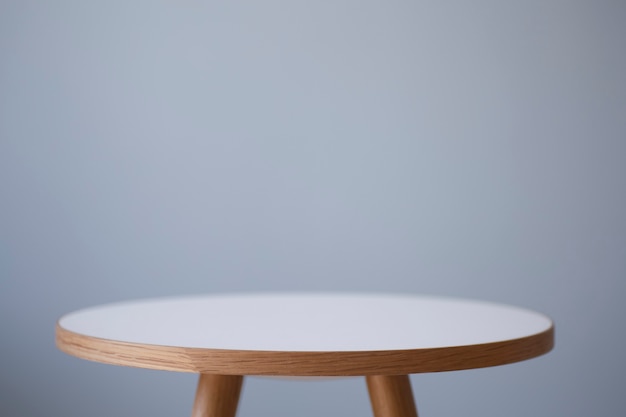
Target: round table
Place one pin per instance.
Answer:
(382, 337)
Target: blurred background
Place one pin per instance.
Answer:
(471, 149)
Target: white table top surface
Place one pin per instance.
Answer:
(306, 322)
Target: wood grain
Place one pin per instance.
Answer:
(278, 363)
(217, 395)
(391, 396)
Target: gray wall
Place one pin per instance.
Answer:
(472, 149)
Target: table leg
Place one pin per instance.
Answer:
(217, 395)
(391, 396)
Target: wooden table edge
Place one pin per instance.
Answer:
(285, 363)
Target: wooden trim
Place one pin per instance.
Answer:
(217, 395)
(391, 396)
(356, 363)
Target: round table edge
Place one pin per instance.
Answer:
(302, 363)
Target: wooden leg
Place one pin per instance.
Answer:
(217, 395)
(391, 396)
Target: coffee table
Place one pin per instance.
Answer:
(383, 338)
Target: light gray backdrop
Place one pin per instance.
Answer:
(472, 149)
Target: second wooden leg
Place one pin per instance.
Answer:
(217, 395)
(391, 396)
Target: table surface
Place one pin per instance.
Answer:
(306, 334)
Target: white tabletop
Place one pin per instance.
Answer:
(307, 322)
